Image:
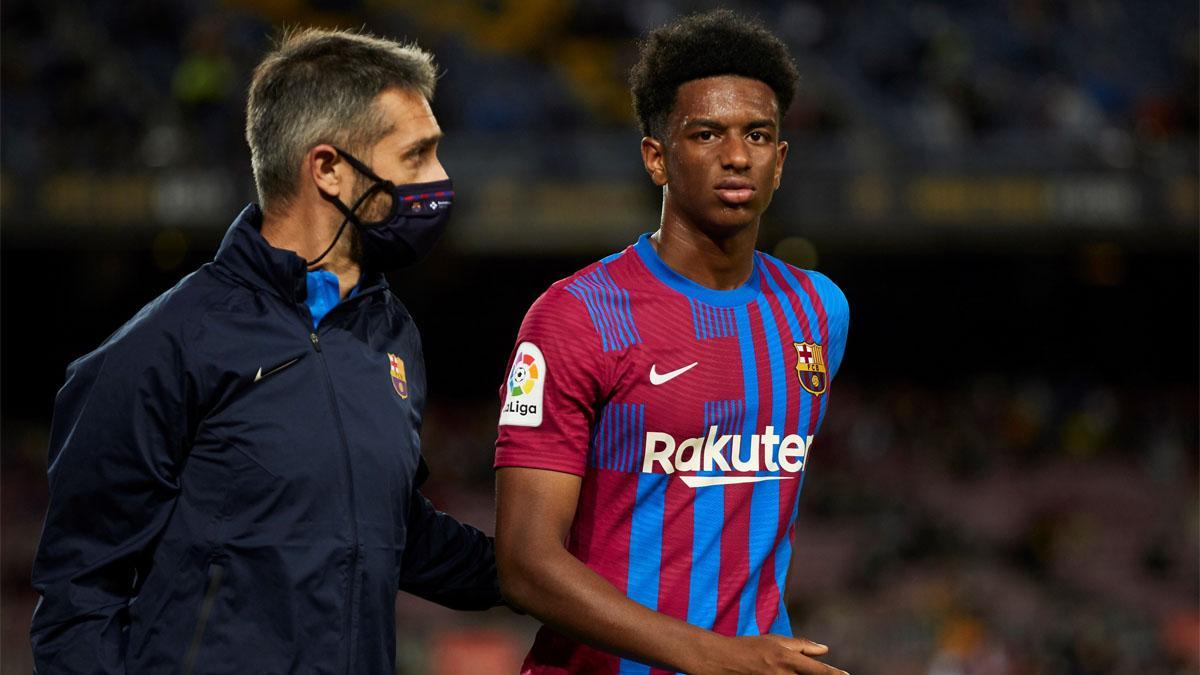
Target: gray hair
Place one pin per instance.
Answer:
(320, 86)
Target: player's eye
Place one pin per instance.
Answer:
(705, 135)
(757, 136)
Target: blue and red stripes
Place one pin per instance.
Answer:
(608, 306)
(712, 322)
(618, 437)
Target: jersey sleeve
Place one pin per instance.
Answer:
(837, 310)
(553, 388)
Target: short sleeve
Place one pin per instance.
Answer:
(837, 311)
(552, 389)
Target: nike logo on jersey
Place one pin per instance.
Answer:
(260, 374)
(657, 379)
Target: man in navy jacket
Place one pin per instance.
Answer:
(234, 473)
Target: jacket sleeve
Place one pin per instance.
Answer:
(446, 561)
(116, 442)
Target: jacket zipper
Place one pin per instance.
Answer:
(216, 573)
(352, 590)
(337, 416)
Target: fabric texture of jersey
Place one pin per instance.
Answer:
(688, 413)
(234, 491)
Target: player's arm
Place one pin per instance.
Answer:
(117, 440)
(535, 508)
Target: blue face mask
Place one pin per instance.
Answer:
(415, 221)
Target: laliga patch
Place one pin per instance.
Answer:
(523, 390)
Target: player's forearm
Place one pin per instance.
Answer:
(562, 592)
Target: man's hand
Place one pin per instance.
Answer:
(767, 655)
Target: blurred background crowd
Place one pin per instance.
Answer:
(1007, 481)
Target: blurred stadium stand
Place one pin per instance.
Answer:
(1007, 191)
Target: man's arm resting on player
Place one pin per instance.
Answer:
(447, 562)
(534, 512)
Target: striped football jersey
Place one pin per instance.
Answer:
(689, 414)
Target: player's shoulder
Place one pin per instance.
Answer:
(798, 279)
(591, 301)
(587, 286)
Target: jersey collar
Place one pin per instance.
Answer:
(679, 283)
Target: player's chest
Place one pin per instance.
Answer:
(720, 355)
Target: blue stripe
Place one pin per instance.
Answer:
(782, 624)
(620, 298)
(626, 435)
(608, 300)
(818, 336)
(609, 413)
(597, 322)
(794, 325)
(746, 614)
(607, 320)
(609, 308)
(627, 432)
(645, 546)
(624, 307)
(783, 561)
(614, 430)
(764, 501)
(798, 290)
(711, 322)
(708, 518)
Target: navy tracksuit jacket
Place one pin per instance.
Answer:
(232, 491)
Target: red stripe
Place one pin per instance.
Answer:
(766, 405)
(735, 556)
(797, 307)
(602, 541)
(814, 410)
(814, 297)
(767, 600)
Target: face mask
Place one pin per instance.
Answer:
(415, 221)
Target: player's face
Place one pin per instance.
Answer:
(408, 153)
(722, 158)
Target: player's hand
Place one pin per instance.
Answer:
(768, 655)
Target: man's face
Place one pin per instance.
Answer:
(408, 154)
(721, 158)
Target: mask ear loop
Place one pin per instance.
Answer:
(349, 213)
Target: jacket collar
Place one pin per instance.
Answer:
(245, 254)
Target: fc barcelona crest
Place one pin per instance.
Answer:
(399, 379)
(810, 366)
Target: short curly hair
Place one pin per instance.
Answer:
(718, 42)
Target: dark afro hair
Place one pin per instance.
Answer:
(712, 43)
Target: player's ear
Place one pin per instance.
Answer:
(324, 166)
(654, 160)
(783, 148)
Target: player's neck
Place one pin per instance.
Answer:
(719, 263)
(292, 231)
